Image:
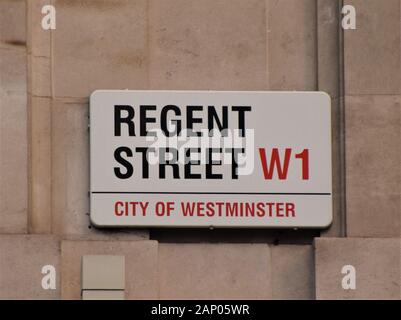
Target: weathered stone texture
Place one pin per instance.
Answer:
(22, 258)
(376, 262)
(140, 266)
(373, 157)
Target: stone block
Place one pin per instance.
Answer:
(219, 45)
(99, 45)
(372, 52)
(22, 258)
(13, 71)
(292, 45)
(38, 39)
(376, 262)
(40, 165)
(103, 295)
(13, 142)
(215, 271)
(328, 46)
(103, 272)
(12, 23)
(373, 157)
(39, 76)
(293, 272)
(337, 228)
(140, 266)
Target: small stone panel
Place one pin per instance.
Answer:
(103, 272)
(140, 265)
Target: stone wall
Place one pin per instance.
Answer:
(46, 77)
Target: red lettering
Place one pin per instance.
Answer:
(188, 208)
(304, 156)
(290, 209)
(118, 212)
(275, 162)
(279, 209)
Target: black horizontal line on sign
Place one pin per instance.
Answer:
(228, 193)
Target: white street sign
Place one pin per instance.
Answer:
(210, 159)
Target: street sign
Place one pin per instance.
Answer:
(210, 159)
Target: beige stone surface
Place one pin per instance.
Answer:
(13, 73)
(40, 220)
(328, 46)
(103, 272)
(140, 266)
(70, 168)
(70, 174)
(40, 77)
(338, 227)
(22, 258)
(207, 44)
(376, 261)
(215, 271)
(39, 125)
(372, 51)
(12, 23)
(292, 47)
(293, 272)
(102, 295)
(38, 40)
(373, 157)
(99, 45)
(13, 164)
(13, 141)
